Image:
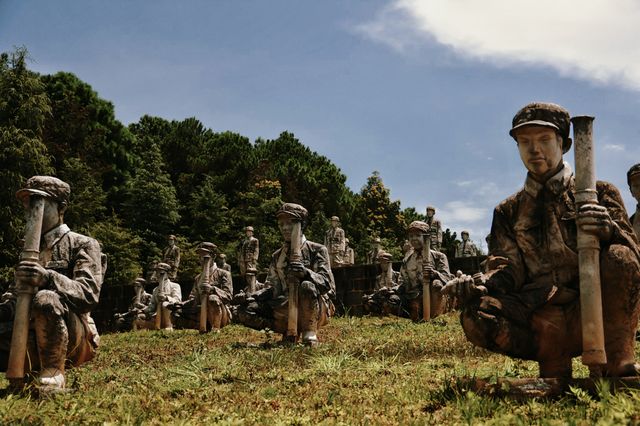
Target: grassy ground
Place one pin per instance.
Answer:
(367, 371)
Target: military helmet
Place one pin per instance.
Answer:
(547, 115)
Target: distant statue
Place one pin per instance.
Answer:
(633, 179)
(171, 257)
(221, 261)
(210, 296)
(376, 247)
(141, 299)
(165, 294)
(248, 256)
(300, 283)
(59, 278)
(349, 257)
(466, 248)
(387, 280)
(435, 228)
(334, 240)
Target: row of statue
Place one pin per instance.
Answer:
(526, 304)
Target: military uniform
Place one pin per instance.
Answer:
(435, 232)
(334, 240)
(466, 249)
(171, 257)
(173, 294)
(249, 252)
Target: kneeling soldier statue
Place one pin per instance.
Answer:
(528, 304)
(57, 285)
(297, 301)
(166, 294)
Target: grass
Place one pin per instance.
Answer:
(367, 371)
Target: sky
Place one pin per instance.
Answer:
(422, 91)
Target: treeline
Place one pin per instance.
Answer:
(134, 185)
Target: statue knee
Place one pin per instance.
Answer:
(618, 257)
(48, 302)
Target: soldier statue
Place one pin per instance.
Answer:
(527, 305)
(248, 255)
(65, 281)
(349, 257)
(167, 293)
(466, 248)
(376, 247)
(269, 307)
(435, 228)
(171, 257)
(141, 299)
(633, 179)
(334, 240)
(387, 280)
(221, 261)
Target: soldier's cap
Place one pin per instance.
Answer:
(547, 115)
(171, 237)
(140, 281)
(293, 210)
(418, 225)
(634, 170)
(335, 218)
(161, 266)
(45, 186)
(222, 256)
(383, 255)
(248, 228)
(206, 248)
(431, 208)
(464, 232)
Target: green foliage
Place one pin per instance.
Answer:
(384, 217)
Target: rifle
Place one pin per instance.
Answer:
(295, 255)
(204, 297)
(31, 252)
(426, 279)
(593, 352)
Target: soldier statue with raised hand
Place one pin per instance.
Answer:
(248, 256)
(633, 179)
(167, 293)
(334, 240)
(466, 248)
(141, 299)
(528, 303)
(297, 301)
(59, 277)
(435, 228)
(171, 257)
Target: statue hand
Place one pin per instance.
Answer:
(297, 269)
(308, 287)
(205, 288)
(594, 219)
(32, 273)
(463, 287)
(427, 271)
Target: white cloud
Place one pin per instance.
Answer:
(613, 147)
(596, 40)
(462, 212)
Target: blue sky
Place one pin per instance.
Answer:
(422, 91)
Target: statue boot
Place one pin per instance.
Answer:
(308, 314)
(52, 337)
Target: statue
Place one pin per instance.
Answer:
(633, 179)
(421, 267)
(297, 301)
(435, 228)
(164, 295)
(221, 261)
(141, 299)
(528, 303)
(334, 240)
(376, 247)
(387, 280)
(46, 312)
(171, 257)
(466, 248)
(248, 256)
(349, 257)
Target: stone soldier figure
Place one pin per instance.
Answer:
(386, 283)
(633, 179)
(268, 308)
(221, 261)
(141, 300)
(527, 304)
(376, 247)
(167, 293)
(435, 228)
(334, 240)
(68, 277)
(466, 248)
(219, 290)
(171, 257)
(349, 257)
(249, 251)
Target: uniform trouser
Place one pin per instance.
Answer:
(406, 306)
(552, 334)
(313, 312)
(57, 338)
(218, 314)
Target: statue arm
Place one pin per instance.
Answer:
(321, 274)
(273, 280)
(609, 197)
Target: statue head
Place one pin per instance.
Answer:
(384, 259)
(541, 131)
(221, 259)
(248, 231)
(206, 249)
(289, 214)
(376, 242)
(335, 221)
(417, 231)
(633, 179)
(431, 211)
(172, 240)
(55, 193)
(162, 269)
(464, 235)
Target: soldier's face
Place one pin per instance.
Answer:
(249, 233)
(430, 213)
(415, 239)
(334, 223)
(285, 224)
(634, 187)
(51, 217)
(540, 149)
(465, 237)
(172, 242)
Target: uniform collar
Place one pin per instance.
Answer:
(53, 236)
(556, 184)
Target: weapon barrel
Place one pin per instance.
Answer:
(593, 351)
(295, 255)
(204, 297)
(426, 281)
(30, 251)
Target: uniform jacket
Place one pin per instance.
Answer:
(174, 295)
(250, 250)
(334, 240)
(435, 231)
(171, 256)
(411, 271)
(466, 249)
(220, 279)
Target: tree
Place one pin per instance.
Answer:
(384, 217)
